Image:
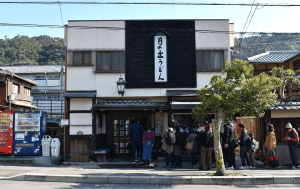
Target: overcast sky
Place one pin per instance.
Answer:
(265, 19)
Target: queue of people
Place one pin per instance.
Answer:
(201, 139)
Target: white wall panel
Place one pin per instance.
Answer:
(285, 113)
(97, 39)
(80, 118)
(212, 40)
(81, 104)
(80, 78)
(87, 130)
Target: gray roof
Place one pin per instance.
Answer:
(273, 57)
(33, 69)
(80, 94)
(4, 71)
(130, 104)
(286, 106)
(182, 92)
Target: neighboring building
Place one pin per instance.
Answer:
(283, 112)
(46, 96)
(15, 92)
(164, 63)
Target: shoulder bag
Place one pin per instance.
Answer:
(189, 145)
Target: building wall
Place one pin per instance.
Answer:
(285, 113)
(81, 104)
(96, 39)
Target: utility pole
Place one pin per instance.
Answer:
(61, 89)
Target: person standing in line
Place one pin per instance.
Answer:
(207, 144)
(136, 138)
(168, 148)
(148, 140)
(177, 148)
(192, 138)
(298, 143)
(243, 147)
(254, 147)
(229, 146)
(293, 140)
(270, 144)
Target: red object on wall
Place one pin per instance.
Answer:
(6, 132)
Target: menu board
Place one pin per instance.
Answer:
(5, 121)
(27, 121)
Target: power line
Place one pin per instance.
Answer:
(62, 20)
(122, 28)
(150, 3)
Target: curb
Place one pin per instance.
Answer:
(159, 180)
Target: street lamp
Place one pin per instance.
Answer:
(121, 86)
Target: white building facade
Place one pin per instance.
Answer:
(164, 64)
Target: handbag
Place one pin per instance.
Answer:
(235, 142)
(129, 147)
(273, 160)
(189, 145)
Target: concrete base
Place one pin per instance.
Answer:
(31, 160)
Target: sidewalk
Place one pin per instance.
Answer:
(92, 173)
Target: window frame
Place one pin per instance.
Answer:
(82, 56)
(111, 62)
(211, 62)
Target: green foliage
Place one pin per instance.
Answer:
(289, 82)
(35, 50)
(236, 91)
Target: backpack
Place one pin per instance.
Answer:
(209, 141)
(248, 142)
(170, 138)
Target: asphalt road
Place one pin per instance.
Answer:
(59, 185)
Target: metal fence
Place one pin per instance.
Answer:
(50, 106)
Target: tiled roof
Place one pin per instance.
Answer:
(130, 104)
(33, 69)
(7, 72)
(286, 106)
(273, 57)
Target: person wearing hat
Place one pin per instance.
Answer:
(207, 144)
(292, 139)
(136, 138)
(243, 148)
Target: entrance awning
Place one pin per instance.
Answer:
(182, 92)
(80, 94)
(175, 105)
(130, 104)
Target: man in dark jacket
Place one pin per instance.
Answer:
(207, 143)
(292, 139)
(229, 146)
(136, 137)
(243, 147)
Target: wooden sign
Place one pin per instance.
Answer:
(159, 120)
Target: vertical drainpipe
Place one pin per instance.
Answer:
(46, 85)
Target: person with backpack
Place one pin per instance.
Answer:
(136, 138)
(192, 138)
(177, 147)
(148, 140)
(244, 142)
(293, 140)
(207, 144)
(254, 147)
(168, 142)
(230, 143)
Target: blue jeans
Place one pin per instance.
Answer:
(293, 155)
(178, 161)
(192, 158)
(243, 155)
(139, 147)
(167, 156)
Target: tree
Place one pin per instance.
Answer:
(289, 83)
(235, 91)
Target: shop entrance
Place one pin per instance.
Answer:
(118, 127)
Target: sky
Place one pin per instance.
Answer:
(265, 19)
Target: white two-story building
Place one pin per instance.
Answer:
(164, 64)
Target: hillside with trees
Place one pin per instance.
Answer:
(46, 50)
(41, 50)
(254, 45)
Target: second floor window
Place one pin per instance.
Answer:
(54, 77)
(15, 89)
(210, 60)
(26, 92)
(110, 61)
(82, 58)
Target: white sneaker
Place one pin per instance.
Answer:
(241, 167)
(249, 167)
(293, 168)
(253, 167)
(230, 168)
